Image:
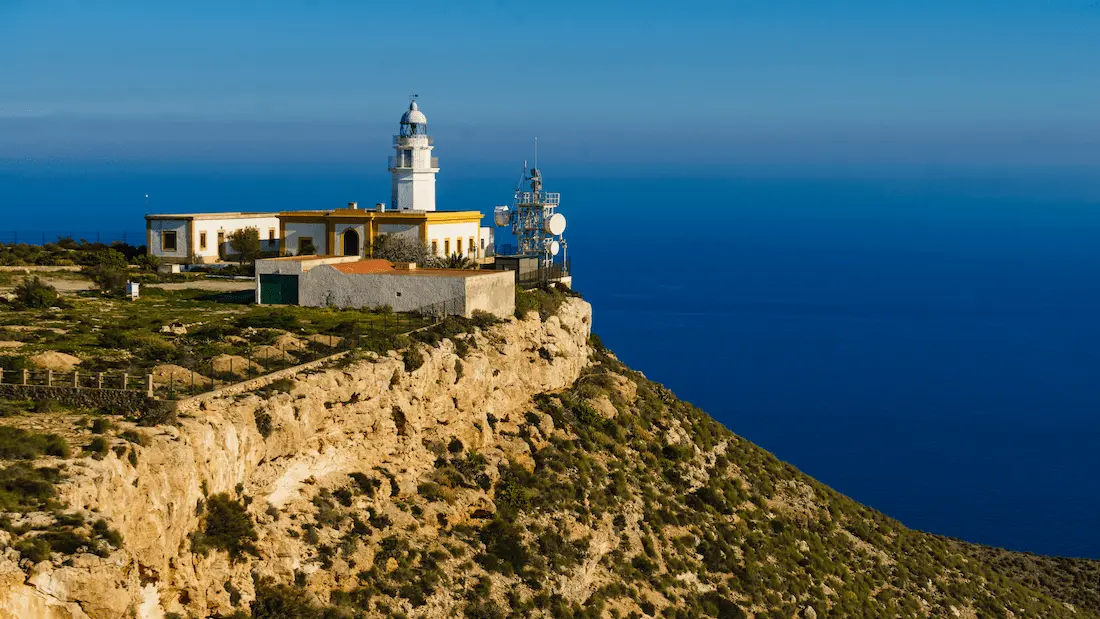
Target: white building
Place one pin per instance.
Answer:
(413, 167)
(351, 231)
(347, 281)
(202, 238)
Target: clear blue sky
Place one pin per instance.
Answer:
(753, 81)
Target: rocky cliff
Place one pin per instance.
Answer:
(513, 470)
(372, 417)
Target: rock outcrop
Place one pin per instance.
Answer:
(371, 413)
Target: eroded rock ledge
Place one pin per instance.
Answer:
(371, 413)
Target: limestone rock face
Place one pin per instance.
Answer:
(333, 422)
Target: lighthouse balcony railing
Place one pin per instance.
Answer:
(545, 198)
(399, 163)
(404, 139)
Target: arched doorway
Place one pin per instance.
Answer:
(351, 243)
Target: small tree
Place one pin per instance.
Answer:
(307, 249)
(246, 244)
(403, 249)
(457, 261)
(108, 270)
(34, 293)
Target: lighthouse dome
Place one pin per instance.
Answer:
(413, 116)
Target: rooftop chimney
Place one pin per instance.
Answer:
(353, 205)
(381, 206)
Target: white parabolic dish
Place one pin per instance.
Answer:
(555, 224)
(501, 215)
(555, 247)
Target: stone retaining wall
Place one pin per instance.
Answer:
(124, 402)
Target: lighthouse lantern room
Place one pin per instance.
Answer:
(413, 167)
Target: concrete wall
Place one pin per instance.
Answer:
(228, 226)
(493, 292)
(283, 266)
(454, 231)
(324, 286)
(179, 226)
(296, 230)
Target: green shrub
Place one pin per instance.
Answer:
(33, 293)
(133, 436)
(412, 358)
(263, 423)
(97, 448)
(100, 425)
(284, 602)
(18, 444)
(24, 488)
(34, 549)
(226, 526)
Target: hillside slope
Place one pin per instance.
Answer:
(518, 470)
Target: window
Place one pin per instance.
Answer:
(271, 234)
(435, 247)
(458, 246)
(471, 245)
(202, 240)
(305, 245)
(168, 241)
(446, 247)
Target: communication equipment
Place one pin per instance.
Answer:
(533, 218)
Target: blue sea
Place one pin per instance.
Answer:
(927, 343)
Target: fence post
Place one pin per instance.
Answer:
(171, 385)
(149, 384)
(1, 376)
(76, 379)
(26, 378)
(99, 380)
(125, 380)
(49, 378)
(192, 382)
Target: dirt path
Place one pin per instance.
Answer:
(214, 285)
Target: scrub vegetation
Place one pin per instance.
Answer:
(199, 339)
(636, 504)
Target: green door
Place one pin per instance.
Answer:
(279, 289)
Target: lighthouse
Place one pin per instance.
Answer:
(412, 166)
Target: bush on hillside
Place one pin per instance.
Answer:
(226, 526)
(18, 444)
(33, 293)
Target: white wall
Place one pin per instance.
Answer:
(360, 228)
(296, 230)
(228, 226)
(411, 231)
(179, 226)
(413, 190)
(454, 231)
(492, 291)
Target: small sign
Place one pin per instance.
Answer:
(132, 290)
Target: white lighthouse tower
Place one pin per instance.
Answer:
(412, 166)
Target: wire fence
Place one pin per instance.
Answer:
(42, 237)
(172, 381)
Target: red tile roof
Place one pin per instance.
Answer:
(373, 265)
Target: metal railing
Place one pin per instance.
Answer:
(76, 379)
(404, 139)
(400, 163)
(542, 275)
(543, 197)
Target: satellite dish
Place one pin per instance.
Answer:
(555, 224)
(555, 247)
(501, 216)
